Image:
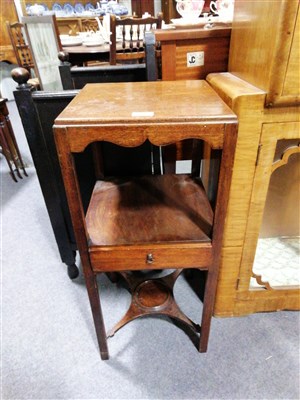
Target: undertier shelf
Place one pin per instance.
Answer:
(149, 209)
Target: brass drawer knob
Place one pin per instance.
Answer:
(149, 258)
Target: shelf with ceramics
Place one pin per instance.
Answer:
(193, 13)
(77, 9)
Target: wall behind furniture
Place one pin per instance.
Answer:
(8, 13)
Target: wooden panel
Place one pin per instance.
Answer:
(282, 56)
(252, 40)
(69, 26)
(246, 101)
(7, 54)
(139, 7)
(168, 56)
(175, 44)
(260, 50)
(266, 300)
(8, 13)
(160, 134)
(227, 281)
(169, 10)
(215, 57)
(291, 82)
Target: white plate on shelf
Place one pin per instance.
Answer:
(68, 9)
(79, 8)
(93, 43)
(71, 41)
(57, 7)
(201, 21)
(89, 7)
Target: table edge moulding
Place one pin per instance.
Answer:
(150, 222)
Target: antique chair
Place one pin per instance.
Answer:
(9, 145)
(148, 222)
(44, 43)
(130, 32)
(74, 77)
(22, 50)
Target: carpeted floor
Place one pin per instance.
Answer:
(48, 344)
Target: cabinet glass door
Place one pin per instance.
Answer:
(270, 269)
(276, 262)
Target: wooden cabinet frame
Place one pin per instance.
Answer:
(259, 131)
(264, 298)
(262, 88)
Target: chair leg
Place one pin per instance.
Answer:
(12, 137)
(6, 152)
(93, 292)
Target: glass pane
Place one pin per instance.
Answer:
(278, 251)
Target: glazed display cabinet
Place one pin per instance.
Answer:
(260, 260)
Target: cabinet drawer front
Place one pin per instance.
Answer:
(151, 257)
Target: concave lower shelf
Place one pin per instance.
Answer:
(156, 215)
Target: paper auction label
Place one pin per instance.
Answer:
(142, 114)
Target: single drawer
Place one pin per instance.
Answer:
(157, 256)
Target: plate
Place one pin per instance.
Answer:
(188, 23)
(87, 13)
(123, 10)
(89, 7)
(98, 11)
(113, 9)
(92, 44)
(71, 41)
(68, 9)
(56, 7)
(79, 8)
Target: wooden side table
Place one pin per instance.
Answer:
(149, 222)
